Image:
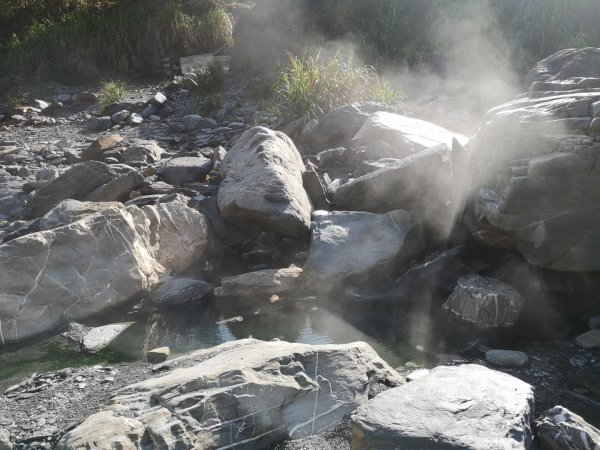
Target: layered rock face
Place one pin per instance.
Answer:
(262, 184)
(244, 394)
(93, 264)
(539, 185)
(464, 407)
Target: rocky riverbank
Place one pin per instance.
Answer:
(148, 206)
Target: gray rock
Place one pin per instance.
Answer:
(261, 284)
(149, 111)
(506, 358)
(135, 119)
(357, 245)
(174, 291)
(69, 211)
(100, 146)
(47, 174)
(119, 116)
(158, 355)
(97, 124)
(64, 98)
(566, 64)
(40, 104)
(99, 338)
(184, 170)
(262, 184)
(96, 263)
(248, 394)
(594, 322)
(422, 182)
(76, 183)
(484, 303)
(463, 407)
(337, 128)
(117, 189)
(5, 441)
(560, 429)
(143, 151)
(589, 339)
(196, 122)
(406, 134)
(158, 99)
(314, 188)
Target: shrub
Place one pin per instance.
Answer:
(111, 92)
(312, 86)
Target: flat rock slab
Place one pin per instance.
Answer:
(506, 358)
(484, 302)
(244, 394)
(262, 184)
(461, 407)
(357, 244)
(262, 283)
(98, 338)
(184, 170)
(561, 429)
(407, 134)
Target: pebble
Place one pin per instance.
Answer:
(506, 358)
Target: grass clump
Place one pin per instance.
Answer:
(208, 104)
(212, 78)
(313, 85)
(111, 92)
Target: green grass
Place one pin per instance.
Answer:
(208, 104)
(313, 85)
(128, 38)
(111, 92)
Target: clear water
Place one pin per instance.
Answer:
(185, 329)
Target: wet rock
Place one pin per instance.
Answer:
(248, 393)
(358, 245)
(97, 124)
(460, 407)
(158, 355)
(76, 183)
(261, 284)
(184, 170)
(174, 291)
(422, 183)
(101, 145)
(589, 339)
(506, 358)
(484, 303)
(96, 263)
(69, 211)
(262, 184)
(98, 338)
(406, 134)
(560, 429)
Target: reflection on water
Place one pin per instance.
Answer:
(191, 328)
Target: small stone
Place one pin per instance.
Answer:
(154, 118)
(119, 116)
(99, 124)
(40, 104)
(158, 99)
(158, 355)
(85, 96)
(589, 340)
(196, 122)
(5, 442)
(149, 110)
(108, 380)
(506, 358)
(135, 119)
(40, 423)
(82, 385)
(64, 98)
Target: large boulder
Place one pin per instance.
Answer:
(244, 394)
(537, 183)
(561, 429)
(464, 407)
(262, 184)
(571, 68)
(358, 245)
(422, 182)
(87, 266)
(406, 134)
(76, 183)
(484, 303)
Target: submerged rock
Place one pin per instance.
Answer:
(245, 394)
(461, 407)
(99, 338)
(560, 429)
(93, 264)
(357, 245)
(262, 184)
(484, 303)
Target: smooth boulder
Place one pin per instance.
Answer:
(463, 407)
(96, 263)
(560, 429)
(242, 394)
(357, 245)
(262, 184)
(484, 303)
